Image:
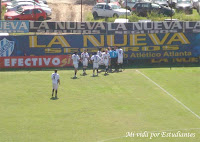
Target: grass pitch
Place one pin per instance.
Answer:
(98, 109)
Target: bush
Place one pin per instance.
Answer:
(153, 17)
(3, 10)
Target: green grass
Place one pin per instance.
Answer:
(154, 17)
(91, 109)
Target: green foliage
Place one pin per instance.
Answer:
(3, 10)
(153, 16)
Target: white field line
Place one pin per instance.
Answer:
(186, 129)
(169, 94)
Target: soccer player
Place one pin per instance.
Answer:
(84, 58)
(99, 52)
(113, 56)
(106, 60)
(120, 57)
(55, 81)
(76, 60)
(95, 59)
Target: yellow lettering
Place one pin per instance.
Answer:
(179, 37)
(136, 39)
(159, 60)
(154, 38)
(170, 47)
(93, 40)
(59, 40)
(33, 42)
(111, 41)
(150, 48)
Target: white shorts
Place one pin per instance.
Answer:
(106, 63)
(85, 63)
(76, 66)
(55, 86)
(101, 62)
(120, 60)
(95, 65)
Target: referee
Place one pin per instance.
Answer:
(113, 56)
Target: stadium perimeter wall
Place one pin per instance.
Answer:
(178, 46)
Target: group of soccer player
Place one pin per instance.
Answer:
(111, 57)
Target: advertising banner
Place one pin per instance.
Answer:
(35, 61)
(135, 46)
(107, 27)
(17, 26)
(115, 28)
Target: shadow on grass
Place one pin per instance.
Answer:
(74, 78)
(54, 98)
(94, 76)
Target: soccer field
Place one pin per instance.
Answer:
(156, 102)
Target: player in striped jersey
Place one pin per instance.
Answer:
(55, 81)
(106, 60)
(84, 58)
(95, 59)
(76, 60)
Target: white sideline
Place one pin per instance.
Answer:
(153, 132)
(169, 94)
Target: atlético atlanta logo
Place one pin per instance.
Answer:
(6, 47)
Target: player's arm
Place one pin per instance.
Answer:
(91, 60)
(59, 81)
(79, 59)
(109, 59)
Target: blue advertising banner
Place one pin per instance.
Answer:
(138, 46)
(17, 26)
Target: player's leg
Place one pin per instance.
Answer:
(56, 94)
(56, 90)
(112, 64)
(52, 92)
(93, 71)
(93, 68)
(75, 69)
(85, 66)
(121, 63)
(106, 66)
(83, 69)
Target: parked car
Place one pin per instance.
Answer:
(185, 6)
(45, 1)
(172, 3)
(34, 13)
(142, 9)
(195, 3)
(20, 4)
(161, 2)
(11, 2)
(17, 1)
(110, 10)
(130, 4)
(198, 6)
(26, 3)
